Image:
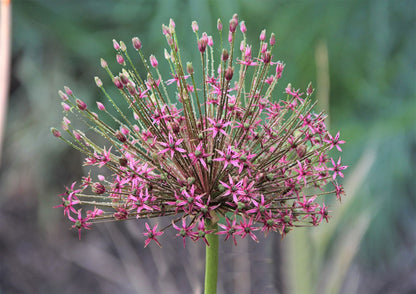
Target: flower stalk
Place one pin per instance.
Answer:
(211, 259)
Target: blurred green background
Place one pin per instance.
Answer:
(360, 55)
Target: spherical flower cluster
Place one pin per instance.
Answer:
(224, 148)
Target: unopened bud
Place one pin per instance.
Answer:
(65, 106)
(116, 45)
(120, 59)
(153, 61)
(310, 89)
(63, 95)
(123, 46)
(98, 82)
(229, 73)
(224, 55)
(243, 27)
(195, 27)
(189, 68)
(202, 44)
(263, 35)
(100, 106)
(137, 44)
(55, 132)
(68, 91)
(98, 188)
(118, 83)
(301, 150)
(272, 39)
(233, 25)
(120, 136)
(81, 104)
(103, 63)
(219, 25)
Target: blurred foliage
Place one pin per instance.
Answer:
(371, 47)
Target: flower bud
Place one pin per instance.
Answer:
(243, 27)
(76, 135)
(195, 27)
(68, 91)
(279, 69)
(103, 63)
(116, 45)
(233, 25)
(310, 89)
(123, 46)
(301, 150)
(224, 55)
(263, 35)
(120, 136)
(81, 104)
(118, 83)
(189, 68)
(98, 188)
(98, 82)
(202, 44)
(210, 41)
(120, 59)
(137, 44)
(63, 95)
(219, 25)
(153, 61)
(100, 106)
(65, 106)
(272, 39)
(229, 73)
(55, 132)
(123, 161)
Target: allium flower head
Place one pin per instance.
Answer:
(225, 147)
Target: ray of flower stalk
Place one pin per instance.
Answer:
(232, 150)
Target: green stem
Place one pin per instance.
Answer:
(211, 260)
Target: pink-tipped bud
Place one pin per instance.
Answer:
(247, 53)
(153, 61)
(123, 46)
(202, 44)
(210, 41)
(263, 48)
(116, 45)
(132, 89)
(165, 30)
(63, 95)
(195, 26)
(267, 57)
(230, 37)
(124, 79)
(171, 24)
(100, 106)
(120, 136)
(189, 68)
(263, 35)
(233, 25)
(219, 25)
(137, 44)
(224, 55)
(243, 27)
(68, 91)
(167, 55)
(98, 82)
(66, 120)
(125, 130)
(103, 63)
(279, 69)
(98, 188)
(272, 39)
(235, 17)
(64, 126)
(310, 89)
(229, 73)
(76, 135)
(242, 47)
(55, 132)
(66, 107)
(81, 104)
(118, 83)
(120, 59)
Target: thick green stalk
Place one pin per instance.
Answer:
(211, 260)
